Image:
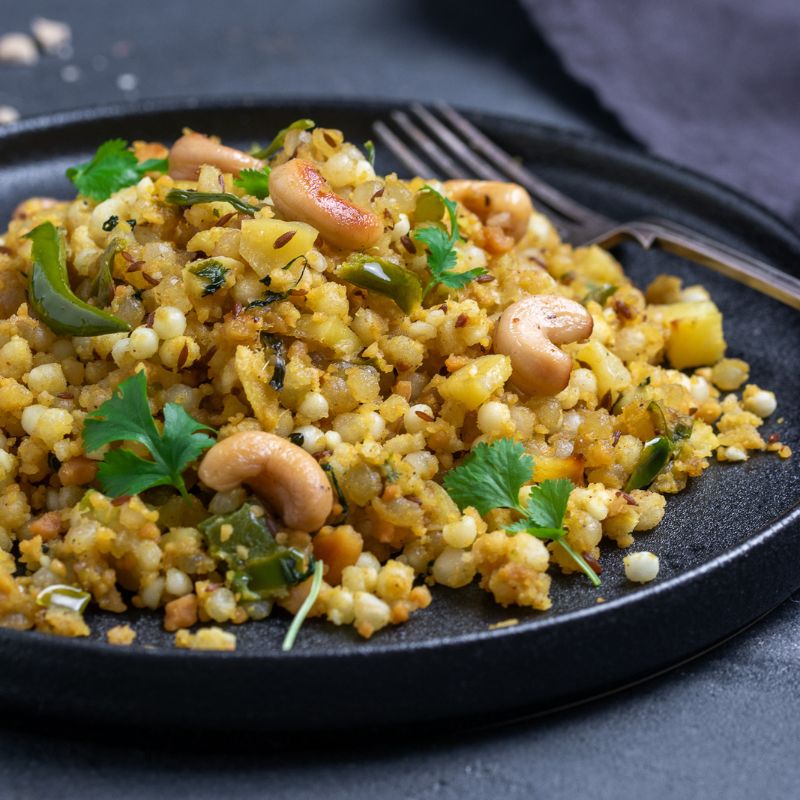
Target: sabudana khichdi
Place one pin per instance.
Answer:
(231, 381)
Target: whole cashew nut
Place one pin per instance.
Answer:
(300, 193)
(193, 150)
(506, 205)
(530, 330)
(286, 476)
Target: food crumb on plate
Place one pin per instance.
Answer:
(641, 567)
(505, 623)
(212, 638)
(122, 635)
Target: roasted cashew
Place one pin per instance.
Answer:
(530, 330)
(300, 193)
(505, 205)
(193, 150)
(287, 477)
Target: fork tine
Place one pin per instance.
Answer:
(446, 166)
(539, 189)
(481, 168)
(411, 161)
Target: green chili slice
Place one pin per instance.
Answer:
(63, 596)
(102, 288)
(280, 138)
(259, 568)
(384, 277)
(429, 207)
(51, 296)
(655, 456)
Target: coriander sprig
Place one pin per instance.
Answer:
(442, 254)
(126, 417)
(189, 197)
(254, 182)
(112, 167)
(492, 476)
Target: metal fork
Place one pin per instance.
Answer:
(457, 149)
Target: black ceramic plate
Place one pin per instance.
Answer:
(729, 545)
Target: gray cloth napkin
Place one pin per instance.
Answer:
(712, 84)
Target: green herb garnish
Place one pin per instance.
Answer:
(214, 275)
(308, 604)
(112, 167)
(273, 297)
(189, 197)
(275, 343)
(492, 476)
(280, 137)
(126, 417)
(442, 252)
(342, 500)
(254, 182)
(369, 148)
(102, 286)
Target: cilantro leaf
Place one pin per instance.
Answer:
(491, 476)
(369, 148)
(547, 503)
(214, 274)
(442, 255)
(126, 417)
(254, 182)
(112, 167)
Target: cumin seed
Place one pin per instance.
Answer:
(405, 240)
(461, 320)
(283, 239)
(183, 356)
(484, 279)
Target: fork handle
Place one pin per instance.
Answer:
(721, 257)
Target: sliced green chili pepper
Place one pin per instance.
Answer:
(429, 207)
(655, 456)
(102, 288)
(51, 296)
(188, 197)
(600, 293)
(260, 569)
(280, 137)
(659, 418)
(63, 596)
(384, 277)
(268, 576)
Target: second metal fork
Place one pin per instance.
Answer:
(456, 148)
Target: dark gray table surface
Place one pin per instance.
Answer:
(725, 725)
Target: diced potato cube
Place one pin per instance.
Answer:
(331, 332)
(475, 383)
(547, 467)
(268, 244)
(598, 265)
(611, 374)
(695, 335)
